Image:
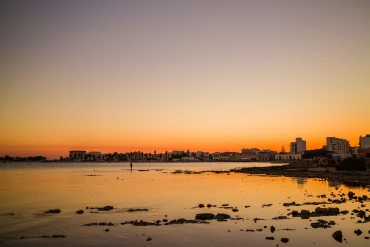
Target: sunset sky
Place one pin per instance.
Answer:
(194, 74)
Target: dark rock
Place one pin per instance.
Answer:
(201, 205)
(338, 236)
(270, 238)
(52, 211)
(322, 224)
(235, 210)
(288, 204)
(327, 211)
(284, 240)
(79, 212)
(272, 229)
(137, 210)
(280, 218)
(58, 236)
(205, 216)
(107, 230)
(222, 216)
(366, 237)
(106, 208)
(294, 213)
(209, 205)
(247, 206)
(358, 232)
(165, 220)
(304, 212)
(267, 205)
(350, 195)
(225, 205)
(149, 239)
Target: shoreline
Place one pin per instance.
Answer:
(354, 178)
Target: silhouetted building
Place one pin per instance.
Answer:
(365, 142)
(299, 146)
(339, 147)
(74, 155)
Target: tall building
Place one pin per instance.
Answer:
(337, 145)
(365, 142)
(299, 146)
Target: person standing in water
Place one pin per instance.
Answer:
(131, 166)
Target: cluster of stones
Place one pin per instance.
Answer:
(43, 236)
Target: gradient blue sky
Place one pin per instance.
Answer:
(210, 75)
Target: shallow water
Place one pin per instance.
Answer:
(27, 190)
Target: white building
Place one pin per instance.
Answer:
(340, 147)
(216, 156)
(288, 156)
(299, 146)
(94, 155)
(365, 142)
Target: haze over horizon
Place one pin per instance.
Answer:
(200, 75)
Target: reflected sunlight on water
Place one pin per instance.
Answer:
(29, 190)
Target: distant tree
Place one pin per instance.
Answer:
(61, 158)
(166, 154)
(351, 164)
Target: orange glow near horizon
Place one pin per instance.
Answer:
(54, 152)
(189, 75)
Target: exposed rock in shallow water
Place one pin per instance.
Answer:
(99, 224)
(322, 224)
(140, 223)
(52, 211)
(79, 212)
(280, 218)
(338, 236)
(53, 236)
(222, 216)
(327, 211)
(106, 208)
(270, 238)
(136, 209)
(358, 232)
(284, 240)
(288, 204)
(350, 195)
(205, 216)
(272, 229)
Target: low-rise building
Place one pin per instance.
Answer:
(288, 156)
(216, 156)
(337, 145)
(94, 155)
(77, 154)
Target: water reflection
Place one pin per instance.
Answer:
(28, 192)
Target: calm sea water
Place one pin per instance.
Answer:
(27, 190)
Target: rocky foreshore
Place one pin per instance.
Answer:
(350, 178)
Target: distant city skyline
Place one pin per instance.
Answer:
(162, 75)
